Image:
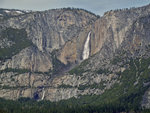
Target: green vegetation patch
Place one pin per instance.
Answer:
(19, 71)
(127, 94)
(103, 71)
(19, 37)
(116, 60)
(100, 85)
(12, 87)
(65, 86)
(79, 70)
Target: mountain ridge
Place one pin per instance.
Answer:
(53, 67)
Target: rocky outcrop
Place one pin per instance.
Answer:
(146, 100)
(30, 58)
(4, 43)
(15, 85)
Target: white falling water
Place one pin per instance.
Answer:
(86, 50)
(43, 94)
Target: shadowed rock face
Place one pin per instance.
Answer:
(63, 38)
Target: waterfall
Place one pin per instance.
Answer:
(43, 94)
(86, 50)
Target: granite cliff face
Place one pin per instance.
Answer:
(72, 53)
(49, 31)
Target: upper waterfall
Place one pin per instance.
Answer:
(86, 50)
